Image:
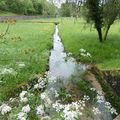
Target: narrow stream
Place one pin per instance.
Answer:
(62, 69)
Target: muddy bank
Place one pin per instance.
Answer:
(110, 83)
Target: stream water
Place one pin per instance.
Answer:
(62, 68)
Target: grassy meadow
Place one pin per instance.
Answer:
(24, 52)
(78, 34)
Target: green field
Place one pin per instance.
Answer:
(81, 35)
(26, 45)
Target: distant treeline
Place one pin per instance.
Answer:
(28, 7)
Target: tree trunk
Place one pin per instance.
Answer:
(106, 32)
(100, 34)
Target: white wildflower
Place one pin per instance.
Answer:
(88, 54)
(100, 99)
(23, 97)
(109, 107)
(21, 65)
(96, 111)
(40, 110)
(7, 71)
(86, 98)
(5, 109)
(22, 116)
(36, 86)
(41, 83)
(26, 109)
(23, 93)
(24, 100)
(43, 95)
(82, 50)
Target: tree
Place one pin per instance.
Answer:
(3, 5)
(66, 9)
(38, 6)
(102, 13)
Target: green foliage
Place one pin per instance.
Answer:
(28, 7)
(102, 14)
(66, 9)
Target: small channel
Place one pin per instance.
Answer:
(62, 67)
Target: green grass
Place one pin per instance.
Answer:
(28, 43)
(3, 13)
(78, 35)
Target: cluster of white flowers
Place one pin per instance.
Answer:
(86, 98)
(41, 83)
(100, 99)
(23, 97)
(70, 111)
(69, 54)
(84, 53)
(4, 71)
(21, 64)
(96, 111)
(40, 110)
(26, 109)
(109, 107)
(43, 95)
(23, 114)
(47, 101)
(4, 108)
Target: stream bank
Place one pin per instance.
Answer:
(110, 83)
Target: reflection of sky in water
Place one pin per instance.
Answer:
(59, 67)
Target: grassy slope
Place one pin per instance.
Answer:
(28, 43)
(76, 36)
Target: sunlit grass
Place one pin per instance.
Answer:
(80, 35)
(28, 43)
